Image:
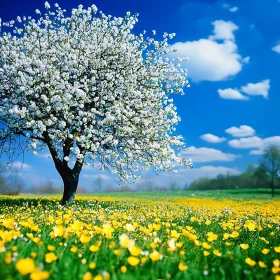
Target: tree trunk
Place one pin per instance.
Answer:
(69, 176)
(70, 188)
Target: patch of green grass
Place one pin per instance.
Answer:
(262, 194)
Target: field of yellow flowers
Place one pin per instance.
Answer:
(137, 238)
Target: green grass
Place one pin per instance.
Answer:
(235, 194)
(197, 234)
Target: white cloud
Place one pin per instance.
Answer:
(257, 152)
(255, 142)
(96, 176)
(245, 143)
(233, 9)
(22, 166)
(207, 155)
(246, 59)
(211, 138)
(223, 30)
(211, 60)
(241, 131)
(230, 93)
(45, 155)
(276, 48)
(260, 88)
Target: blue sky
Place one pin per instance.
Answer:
(231, 111)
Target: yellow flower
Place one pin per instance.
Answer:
(85, 238)
(234, 234)
(277, 277)
(244, 246)
(33, 255)
(39, 275)
(276, 263)
(207, 222)
(58, 231)
(94, 248)
(133, 261)
(265, 251)
(144, 259)
(251, 226)
(155, 256)
(262, 264)
(277, 249)
(179, 244)
(226, 236)
(8, 258)
(25, 266)
(92, 265)
(2, 247)
(123, 269)
(250, 262)
(171, 245)
(182, 266)
(51, 248)
(211, 236)
(174, 234)
(98, 277)
(125, 242)
(74, 249)
(129, 227)
(275, 270)
(182, 253)
(58, 221)
(135, 251)
(156, 226)
(50, 257)
(87, 276)
(217, 253)
(117, 252)
(206, 253)
(205, 245)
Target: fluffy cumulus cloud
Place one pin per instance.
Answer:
(230, 93)
(255, 142)
(211, 138)
(212, 59)
(223, 30)
(276, 48)
(251, 89)
(260, 88)
(208, 155)
(241, 131)
(233, 9)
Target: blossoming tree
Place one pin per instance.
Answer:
(91, 91)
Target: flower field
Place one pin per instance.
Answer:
(137, 238)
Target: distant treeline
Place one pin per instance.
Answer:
(253, 177)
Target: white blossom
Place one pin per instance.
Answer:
(91, 90)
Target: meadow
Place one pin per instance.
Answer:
(166, 235)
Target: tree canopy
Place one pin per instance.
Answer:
(91, 91)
